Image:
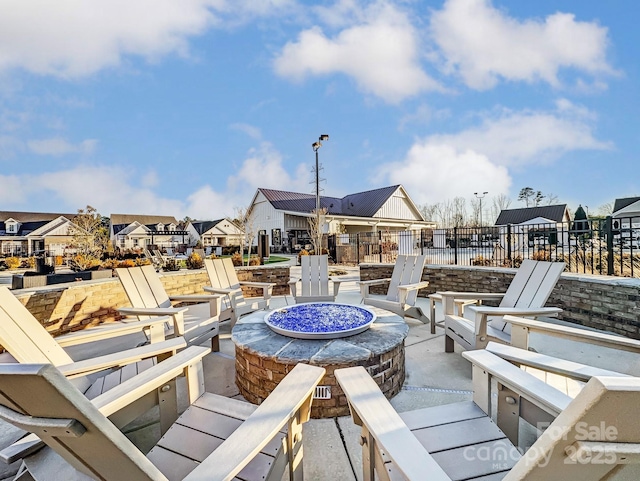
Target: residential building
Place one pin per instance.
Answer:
(131, 231)
(626, 221)
(535, 226)
(214, 233)
(29, 233)
(284, 216)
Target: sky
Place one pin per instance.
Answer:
(186, 107)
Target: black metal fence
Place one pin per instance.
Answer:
(608, 246)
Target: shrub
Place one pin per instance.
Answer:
(12, 262)
(303, 252)
(83, 262)
(481, 261)
(171, 265)
(142, 261)
(254, 261)
(541, 255)
(195, 261)
(126, 263)
(236, 258)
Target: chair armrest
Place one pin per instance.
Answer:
(289, 403)
(220, 290)
(107, 331)
(151, 311)
(485, 296)
(134, 388)
(485, 311)
(573, 370)
(121, 358)
(120, 396)
(413, 287)
(336, 285)
(293, 286)
(575, 334)
(379, 420)
(541, 394)
(194, 297)
(267, 287)
(365, 285)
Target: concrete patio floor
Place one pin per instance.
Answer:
(433, 377)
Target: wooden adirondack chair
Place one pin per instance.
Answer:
(224, 281)
(589, 438)
(526, 296)
(403, 288)
(27, 341)
(216, 438)
(314, 281)
(149, 299)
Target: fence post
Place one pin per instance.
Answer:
(509, 253)
(358, 248)
(455, 246)
(608, 229)
(380, 245)
(421, 242)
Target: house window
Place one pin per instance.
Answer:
(160, 227)
(135, 242)
(12, 227)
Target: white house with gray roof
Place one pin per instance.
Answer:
(214, 233)
(284, 216)
(131, 231)
(29, 233)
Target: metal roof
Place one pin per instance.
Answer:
(620, 204)
(518, 216)
(142, 219)
(202, 226)
(32, 216)
(361, 204)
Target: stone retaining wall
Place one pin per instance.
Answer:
(63, 308)
(601, 302)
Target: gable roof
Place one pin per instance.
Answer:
(361, 204)
(518, 216)
(32, 216)
(620, 204)
(202, 226)
(118, 219)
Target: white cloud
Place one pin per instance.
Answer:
(57, 146)
(434, 172)
(528, 137)
(483, 44)
(119, 190)
(381, 53)
(72, 38)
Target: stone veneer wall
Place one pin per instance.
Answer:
(63, 308)
(601, 302)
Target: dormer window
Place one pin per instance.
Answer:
(171, 227)
(160, 227)
(12, 226)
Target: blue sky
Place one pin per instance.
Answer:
(186, 107)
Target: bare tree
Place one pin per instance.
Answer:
(551, 199)
(498, 204)
(246, 225)
(475, 211)
(605, 209)
(316, 227)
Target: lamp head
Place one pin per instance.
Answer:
(316, 145)
(324, 137)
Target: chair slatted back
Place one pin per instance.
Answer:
(143, 287)
(24, 337)
(222, 273)
(531, 287)
(605, 412)
(101, 451)
(407, 270)
(315, 275)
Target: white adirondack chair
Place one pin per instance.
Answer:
(314, 281)
(224, 281)
(26, 341)
(217, 438)
(403, 288)
(590, 437)
(526, 296)
(149, 300)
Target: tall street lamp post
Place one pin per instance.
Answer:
(480, 197)
(316, 146)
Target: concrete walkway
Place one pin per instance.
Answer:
(332, 451)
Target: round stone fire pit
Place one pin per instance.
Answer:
(264, 357)
(320, 320)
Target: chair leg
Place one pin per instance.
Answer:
(448, 344)
(215, 343)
